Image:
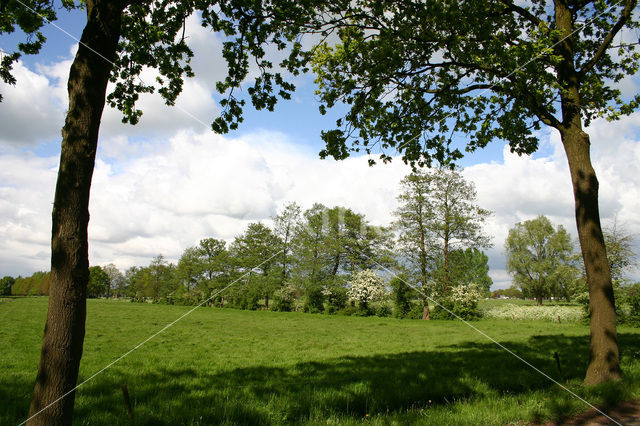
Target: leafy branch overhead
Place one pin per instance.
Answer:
(416, 75)
(153, 35)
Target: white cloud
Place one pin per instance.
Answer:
(26, 195)
(30, 111)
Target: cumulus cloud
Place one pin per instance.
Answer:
(26, 193)
(31, 111)
(198, 185)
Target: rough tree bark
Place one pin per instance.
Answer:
(65, 324)
(604, 362)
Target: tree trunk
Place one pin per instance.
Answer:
(603, 350)
(65, 325)
(426, 315)
(604, 361)
(446, 263)
(540, 290)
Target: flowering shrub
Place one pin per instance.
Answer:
(461, 302)
(285, 298)
(365, 287)
(336, 297)
(539, 313)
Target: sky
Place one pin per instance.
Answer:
(164, 184)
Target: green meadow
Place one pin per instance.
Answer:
(226, 366)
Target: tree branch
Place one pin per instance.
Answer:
(522, 12)
(543, 114)
(626, 14)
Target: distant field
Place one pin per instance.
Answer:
(224, 366)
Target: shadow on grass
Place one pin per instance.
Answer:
(341, 388)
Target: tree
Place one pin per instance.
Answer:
(257, 246)
(402, 296)
(285, 227)
(135, 277)
(415, 76)
(159, 280)
(189, 269)
(366, 286)
(335, 242)
(620, 252)
(436, 214)
(470, 266)
(511, 293)
(36, 284)
(456, 219)
(536, 256)
(5, 285)
(99, 282)
(351, 243)
(117, 281)
(204, 267)
(121, 39)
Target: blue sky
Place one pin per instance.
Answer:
(161, 186)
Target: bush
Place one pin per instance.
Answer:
(284, 299)
(460, 303)
(416, 311)
(336, 296)
(314, 302)
(401, 297)
(366, 287)
(348, 311)
(383, 311)
(631, 301)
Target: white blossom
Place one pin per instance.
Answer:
(366, 286)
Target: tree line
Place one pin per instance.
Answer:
(306, 259)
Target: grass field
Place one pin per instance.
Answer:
(224, 366)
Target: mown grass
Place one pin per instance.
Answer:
(224, 366)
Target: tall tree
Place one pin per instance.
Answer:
(437, 214)
(456, 220)
(470, 266)
(204, 267)
(352, 244)
(417, 75)
(5, 285)
(99, 282)
(337, 241)
(620, 252)
(413, 217)
(257, 247)
(117, 280)
(120, 39)
(285, 226)
(309, 250)
(537, 256)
